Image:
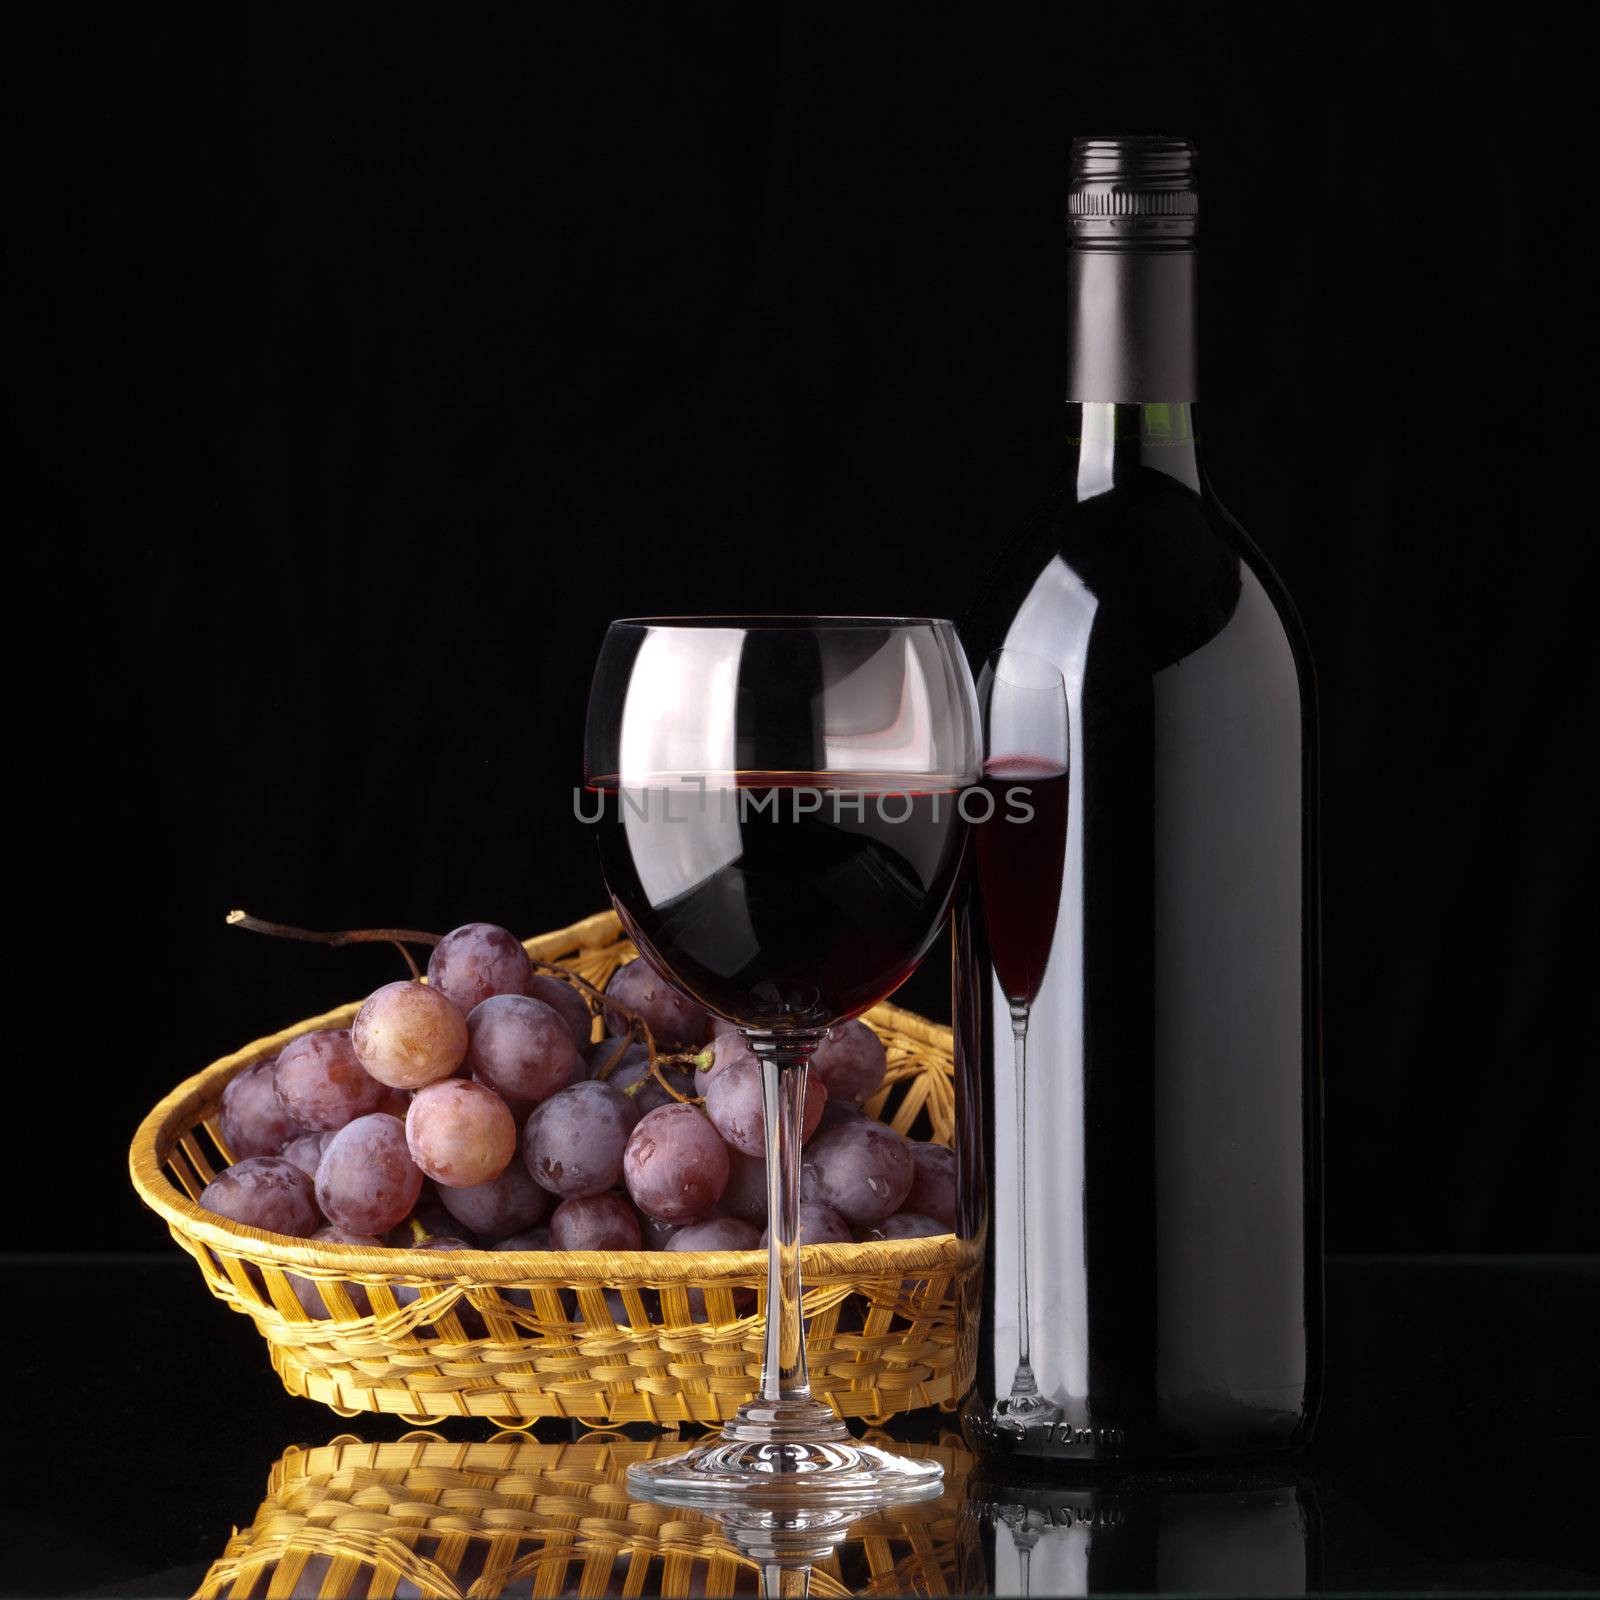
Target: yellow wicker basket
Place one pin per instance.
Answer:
(424, 1515)
(890, 1325)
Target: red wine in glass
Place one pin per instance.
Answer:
(1022, 850)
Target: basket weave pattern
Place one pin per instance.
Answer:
(514, 1516)
(886, 1327)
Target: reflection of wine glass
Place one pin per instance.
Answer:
(780, 830)
(1021, 854)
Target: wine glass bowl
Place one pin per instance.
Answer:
(779, 810)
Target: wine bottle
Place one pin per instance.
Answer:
(1172, 1119)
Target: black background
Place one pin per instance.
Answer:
(387, 354)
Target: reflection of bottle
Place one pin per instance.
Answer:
(1172, 1122)
(1182, 1533)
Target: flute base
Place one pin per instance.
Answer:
(794, 1455)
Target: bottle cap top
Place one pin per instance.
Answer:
(1133, 191)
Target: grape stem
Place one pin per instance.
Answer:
(398, 937)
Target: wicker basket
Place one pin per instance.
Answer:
(427, 1516)
(890, 1324)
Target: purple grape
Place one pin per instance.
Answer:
(862, 1169)
(727, 1048)
(306, 1152)
(509, 1204)
(253, 1120)
(428, 1211)
(720, 1233)
(655, 1232)
(460, 1134)
(322, 1085)
(851, 1061)
(835, 1112)
(676, 1164)
(565, 1000)
(366, 1180)
(933, 1184)
(521, 1048)
(612, 1049)
(635, 1079)
(407, 1035)
(574, 1142)
(264, 1192)
(672, 1018)
(595, 1222)
(533, 1239)
(475, 961)
(308, 1291)
(733, 1103)
(820, 1225)
(746, 1194)
(905, 1225)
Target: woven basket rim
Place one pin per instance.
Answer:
(180, 1110)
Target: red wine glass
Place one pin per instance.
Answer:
(778, 804)
(1022, 845)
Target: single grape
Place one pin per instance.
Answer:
(726, 1048)
(461, 1134)
(733, 1102)
(720, 1233)
(322, 1085)
(533, 1239)
(904, 1225)
(573, 1143)
(862, 1169)
(305, 1152)
(933, 1184)
(595, 1222)
(308, 1291)
(746, 1194)
(565, 1000)
(366, 1180)
(638, 1082)
(614, 1051)
(676, 1164)
(521, 1048)
(820, 1225)
(838, 1111)
(408, 1035)
(264, 1192)
(655, 1232)
(672, 1018)
(509, 1204)
(475, 961)
(253, 1120)
(851, 1061)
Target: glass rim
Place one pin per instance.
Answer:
(777, 621)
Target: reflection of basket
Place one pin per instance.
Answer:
(424, 1515)
(890, 1324)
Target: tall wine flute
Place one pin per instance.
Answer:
(1022, 845)
(780, 831)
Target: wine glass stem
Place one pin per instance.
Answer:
(783, 1094)
(1024, 1382)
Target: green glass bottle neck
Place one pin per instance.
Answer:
(1107, 444)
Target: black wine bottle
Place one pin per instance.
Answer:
(1172, 1116)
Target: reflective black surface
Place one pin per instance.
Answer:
(1457, 1450)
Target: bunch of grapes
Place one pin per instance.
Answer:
(477, 1111)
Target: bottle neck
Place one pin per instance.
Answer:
(1110, 445)
(1131, 322)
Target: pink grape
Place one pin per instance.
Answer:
(509, 1204)
(676, 1165)
(904, 1225)
(366, 1180)
(460, 1133)
(263, 1192)
(305, 1152)
(253, 1120)
(574, 1142)
(565, 1000)
(521, 1048)
(720, 1233)
(475, 961)
(851, 1061)
(321, 1083)
(933, 1184)
(407, 1035)
(734, 1105)
(672, 1018)
(820, 1225)
(862, 1169)
(595, 1222)
(746, 1194)
(308, 1291)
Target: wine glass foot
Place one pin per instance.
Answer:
(794, 1456)
(1023, 1413)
